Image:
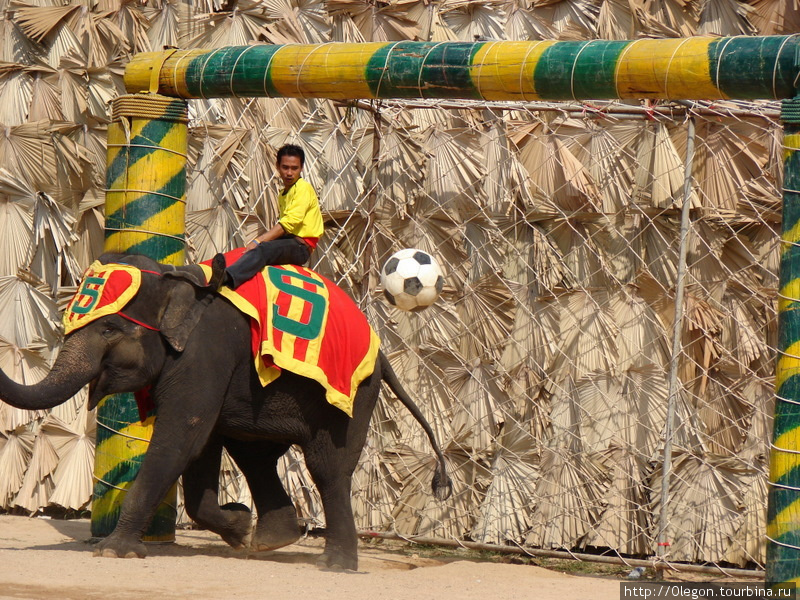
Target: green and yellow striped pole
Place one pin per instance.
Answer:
(685, 68)
(145, 214)
(697, 68)
(783, 512)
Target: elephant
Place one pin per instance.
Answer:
(186, 343)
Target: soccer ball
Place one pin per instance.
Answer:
(411, 279)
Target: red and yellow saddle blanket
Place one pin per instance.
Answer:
(304, 323)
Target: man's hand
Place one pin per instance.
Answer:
(273, 233)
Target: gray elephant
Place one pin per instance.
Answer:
(191, 347)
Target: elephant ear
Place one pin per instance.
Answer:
(195, 274)
(184, 309)
(182, 312)
(192, 273)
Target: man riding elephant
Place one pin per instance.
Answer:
(292, 239)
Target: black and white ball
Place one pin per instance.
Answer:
(411, 279)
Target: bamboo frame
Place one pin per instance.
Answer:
(145, 214)
(686, 69)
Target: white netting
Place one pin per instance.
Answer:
(544, 368)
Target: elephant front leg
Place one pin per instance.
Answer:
(125, 541)
(277, 516)
(175, 442)
(232, 522)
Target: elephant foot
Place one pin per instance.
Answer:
(337, 561)
(238, 525)
(114, 547)
(276, 529)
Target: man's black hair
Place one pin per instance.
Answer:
(291, 150)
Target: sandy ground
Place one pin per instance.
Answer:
(52, 559)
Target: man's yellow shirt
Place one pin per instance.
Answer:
(299, 210)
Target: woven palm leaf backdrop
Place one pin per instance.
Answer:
(544, 366)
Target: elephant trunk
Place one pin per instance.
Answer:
(73, 369)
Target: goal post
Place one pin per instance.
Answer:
(683, 68)
(697, 68)
(144, 214)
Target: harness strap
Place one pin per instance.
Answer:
(132, 320)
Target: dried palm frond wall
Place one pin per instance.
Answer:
(544, 366)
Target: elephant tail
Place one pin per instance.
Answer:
(442, 485)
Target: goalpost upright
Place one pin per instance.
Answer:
(699, 68)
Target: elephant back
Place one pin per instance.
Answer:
(304, 323)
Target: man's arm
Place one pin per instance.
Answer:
(272, 233)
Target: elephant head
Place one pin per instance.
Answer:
(123, 351)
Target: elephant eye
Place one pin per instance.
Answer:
(109, 330)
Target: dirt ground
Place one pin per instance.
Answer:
(52, 559)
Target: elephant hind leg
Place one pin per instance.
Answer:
(341, 540)
(331, 457)
(331, 468)
(277, 524)
(232, 522)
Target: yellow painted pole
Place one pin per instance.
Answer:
(696, 68)
(783, 511)
(145, 214)
(693, 68)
